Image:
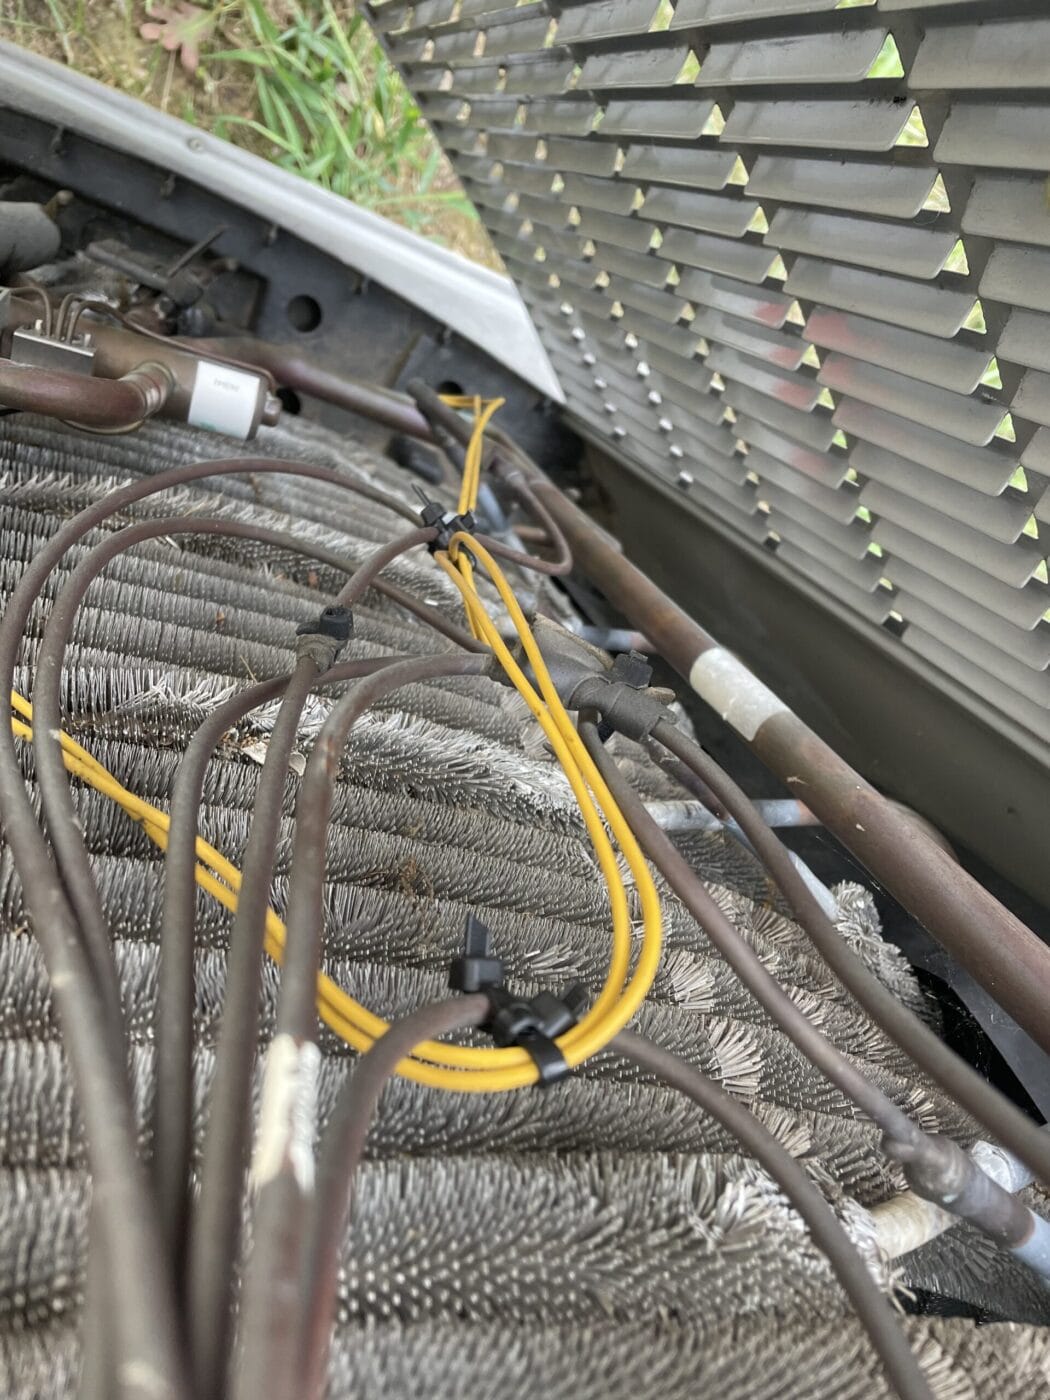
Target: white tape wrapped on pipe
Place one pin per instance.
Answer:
(906, 1222)
(733, 692)
(288, 1113)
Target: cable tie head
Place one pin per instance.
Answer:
(632, 668)
(533, 1024)
(476, 970)
(324, 637)
(447, 523)
(334, 622)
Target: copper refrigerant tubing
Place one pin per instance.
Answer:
(106, 404)
(132, 374)
(999, 951)
(293, 370)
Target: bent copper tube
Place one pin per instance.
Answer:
(84, 399)
(994, 946)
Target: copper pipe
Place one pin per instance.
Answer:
(141, 328)
(293, 370)
(995, 947)
(109, 404)
(120, 350)
(532, 534)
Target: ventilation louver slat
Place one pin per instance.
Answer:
(808, 262)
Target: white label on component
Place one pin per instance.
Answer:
(224, 399)
(730, 688)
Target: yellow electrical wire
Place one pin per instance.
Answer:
(483, 411)
(434, 1063)
(572, 754)
(498, 1069)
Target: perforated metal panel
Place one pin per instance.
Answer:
(793, 256)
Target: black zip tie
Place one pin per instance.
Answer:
(476, 970)
(533, 1024)
(446, 522)
(323, 638)
(631, 668)
(334, 622)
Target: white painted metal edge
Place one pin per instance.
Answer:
(480, 305)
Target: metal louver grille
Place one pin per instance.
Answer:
(793, 256)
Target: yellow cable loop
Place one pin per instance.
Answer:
(354, 1023)
(434, 1063)
(578, 757)
(621, 925)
